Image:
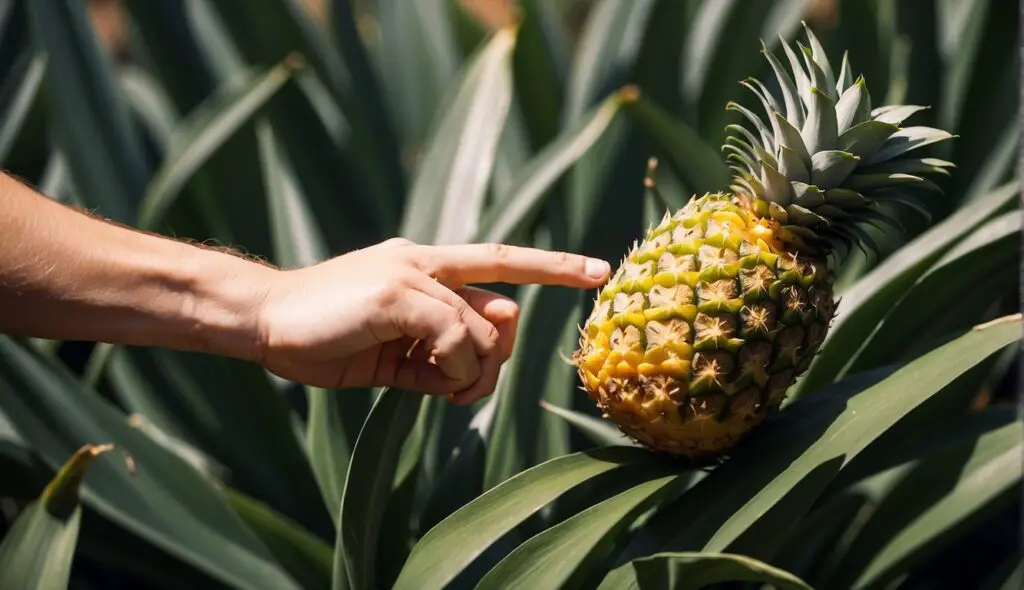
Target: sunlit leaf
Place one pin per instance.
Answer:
(38, 550)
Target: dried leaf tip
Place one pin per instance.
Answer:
(60, 497)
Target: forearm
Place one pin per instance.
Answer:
(66, 275)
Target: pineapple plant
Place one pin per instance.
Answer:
(707, 323)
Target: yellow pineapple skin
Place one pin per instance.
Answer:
(703, 328)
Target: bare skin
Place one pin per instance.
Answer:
(396, 314)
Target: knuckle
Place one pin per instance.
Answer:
(388, 296)
(491, 338)
(458, 331)
(497, 251)
(399, 242)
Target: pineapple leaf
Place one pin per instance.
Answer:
(448, 191)
(845, 78)
(896, 114)
(854, 107)
(863, 306)
(694, 161)
(819, 132)
(803, 82)
(864, 139)
(371, 472)
(19, 95)
(868, 182)
(910, 166)
(794, 105)
(792, 166)
(419, 60)
(562, 555)
(981, 475)
(598, 431)
(789, 136)
(695, 570)
(532, 185)
(89, 119)
(777, 187)
(820, 57)
(766, 135)
(38, 550)
(808, 195)
(829, 169)
(445, 550)
(306, 557)
(819, 79)
(56, 415)
(991, 250)
(202, 133)
(906, 140)
(788, 463)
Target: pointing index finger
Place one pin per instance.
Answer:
(501, 263)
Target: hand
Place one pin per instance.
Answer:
(401, 315)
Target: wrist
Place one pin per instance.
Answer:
(222, 303)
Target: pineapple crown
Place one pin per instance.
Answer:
(827, 158)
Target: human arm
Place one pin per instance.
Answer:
(395, 314)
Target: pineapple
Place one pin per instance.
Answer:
(707, 322)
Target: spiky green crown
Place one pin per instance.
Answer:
(826, 164)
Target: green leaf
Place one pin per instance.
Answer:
(165, 503)
(776, 474)
(88, 117)
(863, 306)
(524, 198)
(722, 44)
(307, 558)
(368, 486)
(906, 140)
(686, 571)
(608, 44)
(445, 550)
(830, 168)
(202, 133)
(196, 397)
(538, 72)
(563, 555)
(853, 107)
(19, 96)
(38, 550)
(597, 430)
(513, 441)
(863, 139)
(461, 479)
(992, 249)
(698, 165)
(934, 502)
(447, 196)
(419, 61)
(278, 28)
(820, 130)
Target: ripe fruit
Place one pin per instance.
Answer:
(711, 318)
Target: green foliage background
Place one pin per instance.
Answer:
(251, 123)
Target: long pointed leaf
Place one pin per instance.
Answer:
(449, 547)
(691, 571)
(562, 555)
(38, 550)
(89, 119)
(166, 503)
(447, 196)
(204, 131)
(862, 307)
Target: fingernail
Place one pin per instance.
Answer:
(597, 269)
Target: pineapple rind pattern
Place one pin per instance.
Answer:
(703, 328)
